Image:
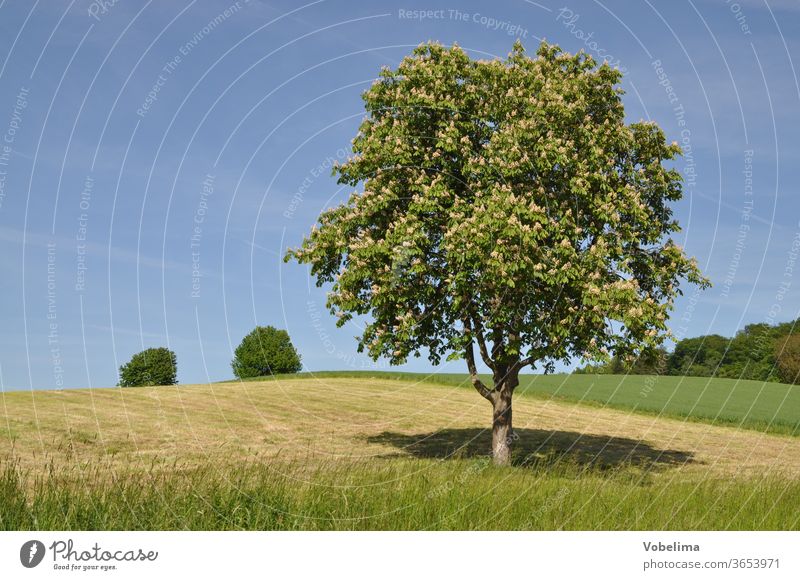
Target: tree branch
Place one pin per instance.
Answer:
(482, 345)
(497, 344)
(473, 375)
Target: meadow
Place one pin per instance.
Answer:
(393, 452)
(762, 406)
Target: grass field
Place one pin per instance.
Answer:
(761, 406)
(339, 452)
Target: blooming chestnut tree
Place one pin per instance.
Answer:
(503, 210)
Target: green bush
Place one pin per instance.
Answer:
(265, 351)
(154, 366)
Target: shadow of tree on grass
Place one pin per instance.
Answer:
(537, 447)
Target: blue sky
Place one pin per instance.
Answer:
(156, 159)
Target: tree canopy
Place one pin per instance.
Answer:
(265, 351)
(503, 204)
(787, 358)
(755, 352)
(153, 366)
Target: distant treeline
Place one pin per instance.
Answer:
(760, 352)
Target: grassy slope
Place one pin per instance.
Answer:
(398, 494)
(363, 453)
(762, 406)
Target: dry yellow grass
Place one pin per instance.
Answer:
(338, 418)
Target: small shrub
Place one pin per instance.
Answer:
(154, 366)
(265, 351)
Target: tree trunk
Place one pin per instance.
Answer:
(506, 379)
(502, 434)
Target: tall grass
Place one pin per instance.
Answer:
(390, 494)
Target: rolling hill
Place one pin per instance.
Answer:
(337, 452)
